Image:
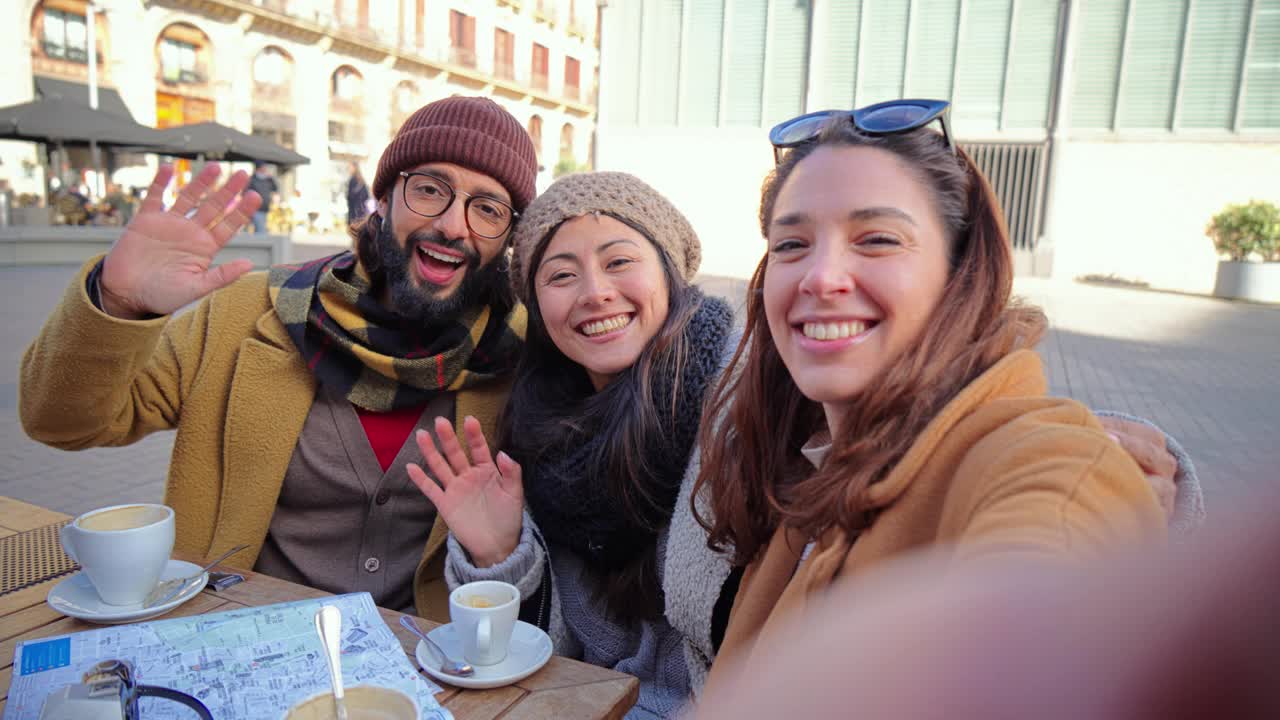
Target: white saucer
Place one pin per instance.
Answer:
(530, 649)
(75, 597)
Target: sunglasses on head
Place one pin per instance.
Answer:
(885, 118)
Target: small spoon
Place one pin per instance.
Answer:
(169, 589)
(329, 628)
(448, 665)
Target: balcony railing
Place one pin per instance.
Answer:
(546, 13)
(572, 93)
(197, 75)
(581, 26)
(346, 133)
(283, 7)
(73, 53)
(280, 96)
(539, 81)
(360, 32)
(504, 70)
(463, 56)
(353, 107)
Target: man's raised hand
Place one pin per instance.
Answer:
(164, 259)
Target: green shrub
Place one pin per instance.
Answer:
(564, 167)
(1241, 230)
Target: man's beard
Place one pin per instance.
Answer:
(418, 302)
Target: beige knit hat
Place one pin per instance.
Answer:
(615, 193)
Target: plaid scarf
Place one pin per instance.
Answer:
(377, 359)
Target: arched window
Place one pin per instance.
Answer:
(182, 55)
(272, 66)
(273, 79)
(346, 112)
(60, 38)
(404, 102)
(346, 85)
(535, 134)
(566, 142)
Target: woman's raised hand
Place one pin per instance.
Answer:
(164, 259)
(481, 500)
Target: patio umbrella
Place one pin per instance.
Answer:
(212, 141)
(55, 121)
(63, 122)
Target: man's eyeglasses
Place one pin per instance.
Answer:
(430, 196)
(885, 118)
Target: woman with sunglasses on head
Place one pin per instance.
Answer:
(602, 428)
(889, 398)
(598, 436)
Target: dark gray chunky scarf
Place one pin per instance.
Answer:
(571, 498)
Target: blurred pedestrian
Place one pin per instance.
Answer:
(357, 196)
(265, 185)
(121, 210)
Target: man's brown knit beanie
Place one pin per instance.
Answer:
(473, 132)
(615, 193)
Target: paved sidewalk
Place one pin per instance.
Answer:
(1208, 371)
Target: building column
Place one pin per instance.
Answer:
(311, 99)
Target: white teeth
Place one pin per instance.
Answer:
(440, 256)
(833, 330)
(600, 327)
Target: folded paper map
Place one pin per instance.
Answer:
(248, 663)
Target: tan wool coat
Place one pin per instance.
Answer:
(229, 379)
(1002, 471)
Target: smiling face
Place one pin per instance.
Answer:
(602, 293)
(436, 265)
(857, 261)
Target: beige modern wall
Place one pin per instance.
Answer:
(713, 175)
(1132, 210)
(1137, 210)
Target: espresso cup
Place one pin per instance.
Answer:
(123, 549)
(484, 614)
(363, 702)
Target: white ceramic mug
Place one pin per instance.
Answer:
(123, 549)
(484, 614)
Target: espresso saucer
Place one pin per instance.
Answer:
(530, 649)
(75, 597)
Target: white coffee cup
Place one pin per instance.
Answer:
(363, 702)
(123, 549)
(483, 614)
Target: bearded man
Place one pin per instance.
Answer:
(296, 392)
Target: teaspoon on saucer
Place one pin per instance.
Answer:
(448, 665)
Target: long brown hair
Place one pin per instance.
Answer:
(554, 409)
(752, 470)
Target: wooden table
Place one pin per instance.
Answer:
(561, 690)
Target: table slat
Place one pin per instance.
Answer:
(27, 619)
(487, 704)
(18, 516)
(27, 597)
(258, 590)
(562, 672)
(559, 703)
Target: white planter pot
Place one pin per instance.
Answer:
(1259, 282)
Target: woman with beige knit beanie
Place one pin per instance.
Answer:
(598, 441)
